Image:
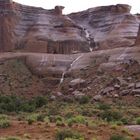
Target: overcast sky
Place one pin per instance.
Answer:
(79, 5)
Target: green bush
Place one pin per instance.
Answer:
(77, 119)
(109, 115)
(103, 106)
(4, 121)
(13, 138)
(84, 100)
(137, 138)
(60, 123)
(41, 117)
(118, 137)
(138, 120)
(40, 101)
(67, 134)
(69, 115)
(10, 138)
(16, 104)
(125, 121)
(32, 118)
(46, 120)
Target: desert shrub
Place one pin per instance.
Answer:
(54, 119)
(109, 115)
(13, 138)
(46, 120)
(40, 101)
(32, 118)
(137, 138)
(125, 121)
(77, 119)
(53, 110)
(67, 134)
(69, 115)
(60, 123)
(4, 121)
(84, 100)
(103, 106)
(27, 107)
(59, 118)
(16, 104)
(138, 120)
(10, 138)
(41, 117)
(118, 137)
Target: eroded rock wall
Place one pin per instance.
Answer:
(110, 26)
(31, 29)
(37, 29)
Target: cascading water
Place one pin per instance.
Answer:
(62, 78)
(73, 62)
(123, 55)
(87, 35)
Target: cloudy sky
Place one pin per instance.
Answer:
(78, 5)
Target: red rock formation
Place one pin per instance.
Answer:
(39, 30)
(58, 10)
(34, 29)
(138, 37)
(110, 26)
(7, 23)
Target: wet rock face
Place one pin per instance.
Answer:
(110, 26)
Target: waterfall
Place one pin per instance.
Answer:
(123, 55)
(63, 74)
(87, 35)
(75, 60)
(62, 78)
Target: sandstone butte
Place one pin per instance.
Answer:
(57, 42)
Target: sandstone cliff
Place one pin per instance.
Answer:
(110, 26)
(39, 30)
(32, 29)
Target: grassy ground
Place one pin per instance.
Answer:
(58, 120)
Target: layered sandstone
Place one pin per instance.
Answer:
(110, 26)
(39, 30)
(31, 29)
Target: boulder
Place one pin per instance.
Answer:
(137, 85)
(121, 81)
(116, 86)
(78, 94)
(77, 83)
(53, 97)
(59, 94)
(131, 85)
(125, 92)
(107, 90)
(97, 98)
(116, 96)
(136, 91)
